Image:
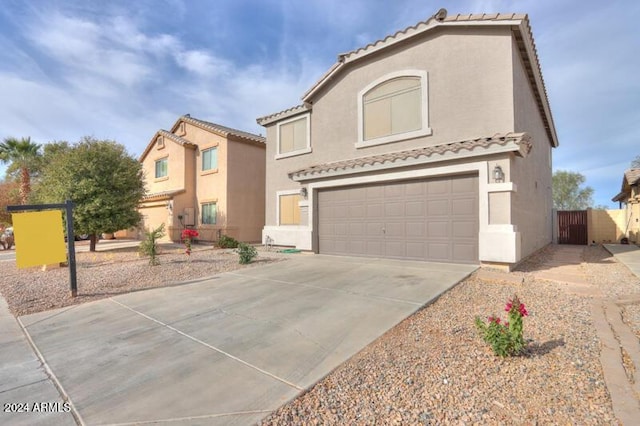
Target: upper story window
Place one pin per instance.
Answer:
(162, 167)
(294, 136)
(393, 108)
(210, 159)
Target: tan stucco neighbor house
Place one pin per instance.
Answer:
(431, 144)
(629, 195)
(205, 176)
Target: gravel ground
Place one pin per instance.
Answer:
(432, 368)
(33, 290)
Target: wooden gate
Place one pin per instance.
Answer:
(572, 227)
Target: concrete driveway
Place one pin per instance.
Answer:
(628, 254)
(231, 349)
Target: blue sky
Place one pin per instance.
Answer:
(124, 69)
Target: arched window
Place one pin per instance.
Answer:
(394, 108)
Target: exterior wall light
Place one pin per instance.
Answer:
(303, 192)
(498, 174)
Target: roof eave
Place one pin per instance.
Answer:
(512, 146)
(291, 112)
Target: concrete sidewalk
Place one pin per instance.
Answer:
(628, 254)
(231, 349)
(24, 384)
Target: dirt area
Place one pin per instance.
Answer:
(103, 274)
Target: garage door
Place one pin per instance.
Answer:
(430, 219)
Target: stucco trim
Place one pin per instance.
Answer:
(278, 194)
(303, 151)
(424, 92)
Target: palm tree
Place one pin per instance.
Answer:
(23, 155)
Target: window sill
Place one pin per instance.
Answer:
(293, 153)
(161, 179)
(208, 172)
(395, 138)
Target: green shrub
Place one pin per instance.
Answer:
(227, 242)
(247, 253)
(505, 337)
(149, 246)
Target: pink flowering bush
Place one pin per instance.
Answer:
(187, 235)
(505, 337)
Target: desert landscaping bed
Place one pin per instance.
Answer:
(432, 368)
(108, 273)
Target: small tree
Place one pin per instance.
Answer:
(9, 195)
(149, 246)
(103, 181)
(568, 193)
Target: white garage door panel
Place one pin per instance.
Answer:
(433, 219)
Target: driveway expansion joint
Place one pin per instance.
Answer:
(195, 339)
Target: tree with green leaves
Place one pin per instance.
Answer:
(568, 193)
(101, 178)
(23, 156)
(9, 196)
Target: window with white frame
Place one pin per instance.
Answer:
(294, 136)
(209, 213)
(210, 159)
(393, 108)
(162, 168)
(289, 209)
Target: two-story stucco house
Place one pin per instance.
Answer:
(431, 144)
(205, 176)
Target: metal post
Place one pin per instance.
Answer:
(71, 248)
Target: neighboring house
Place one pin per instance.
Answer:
(630, 196)
(431, 144)
(205, 176)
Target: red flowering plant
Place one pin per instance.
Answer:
(505, 337)
(187, 235)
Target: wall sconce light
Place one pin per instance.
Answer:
(498, 174)
(303, 192)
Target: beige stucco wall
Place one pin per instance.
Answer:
(532, 202)
(185, 173)
(211, 186)
(606, 226)
(180, 177)
(632, 217)
(246, 189)
(469, 78)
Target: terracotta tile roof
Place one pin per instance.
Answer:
(223, 130)
(282, 114)
(164, 195)
(521, 141)
(175, 138)
(632, 176)
(168, 135)
(430, 23)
